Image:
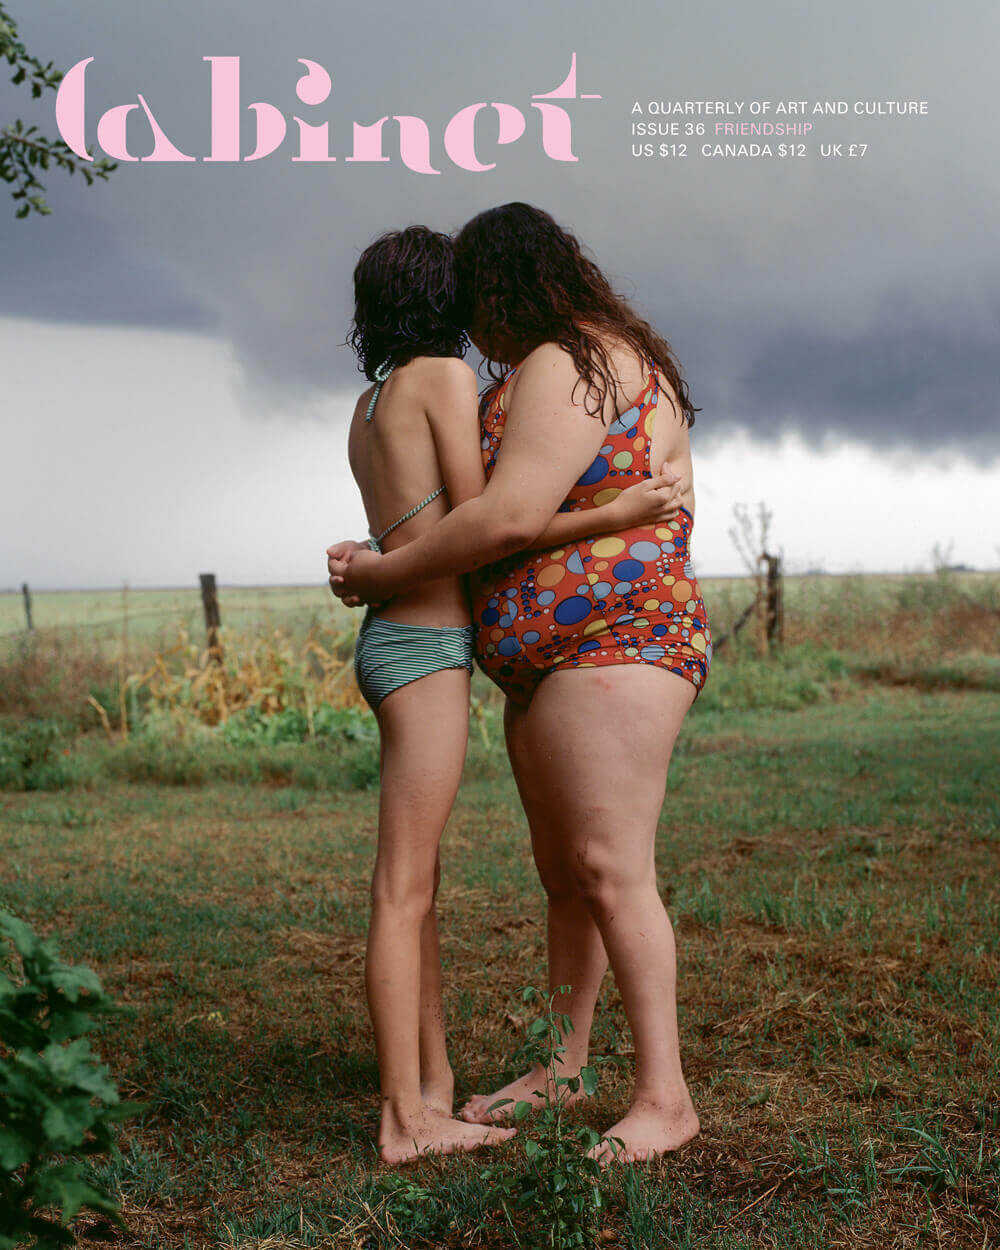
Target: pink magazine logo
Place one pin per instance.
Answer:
(313, 88)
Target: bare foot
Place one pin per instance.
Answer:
(529, 1088)
(431, 1133)
(437, 1093)
(647, 1131)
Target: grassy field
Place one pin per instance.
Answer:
(828, 853)
(155, 615)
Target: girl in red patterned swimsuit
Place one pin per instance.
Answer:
(627, 598)
(600, 645)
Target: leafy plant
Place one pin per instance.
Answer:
(34, 757)
(56, 1101)
(251, 726)
(560, 1188)
(23, 150)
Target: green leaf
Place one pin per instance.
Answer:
(26, 941)
(69, 1024)
(15, 1150)
(66, 1125)
(63, 1186)
(521, 1109)
(588, 1078)
(76, 981)
(124, 1111)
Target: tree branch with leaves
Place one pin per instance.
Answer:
(24, 153)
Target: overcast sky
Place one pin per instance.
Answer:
(175, 384)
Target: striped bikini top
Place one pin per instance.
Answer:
(375, 540)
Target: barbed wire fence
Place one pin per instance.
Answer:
(178, 614)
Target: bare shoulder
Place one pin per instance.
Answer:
(442, 380)
(548, 370)
(362, 403)
(354, 431)
(629, 369)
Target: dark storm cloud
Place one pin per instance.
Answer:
(923, 385)
(85, 275)
(820, 295)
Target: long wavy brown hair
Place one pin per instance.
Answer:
(526, 281)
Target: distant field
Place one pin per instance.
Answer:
(156, 613)
(287, 644)
(160, 612)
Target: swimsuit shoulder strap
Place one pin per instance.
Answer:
(502, 386)
(656, 379)
(381, 373)
(652, 383)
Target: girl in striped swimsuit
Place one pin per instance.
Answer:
(415, 436)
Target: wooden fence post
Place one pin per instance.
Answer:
(123, 666)
(27, 604)
(210, 602)
(774, 618)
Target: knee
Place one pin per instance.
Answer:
(407, 894)
(607, 886)
(557, 880)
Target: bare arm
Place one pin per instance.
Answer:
(651, 502)
(549, 440)
(453, 415)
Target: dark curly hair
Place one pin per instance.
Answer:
(406, 300)
(526, 281)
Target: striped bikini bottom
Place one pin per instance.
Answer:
(390, 654)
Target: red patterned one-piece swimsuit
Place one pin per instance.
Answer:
(625, 598)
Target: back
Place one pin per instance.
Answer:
(395, 463)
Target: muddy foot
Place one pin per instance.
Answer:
(529, 1088)
(434, 1134)
(646, 1132)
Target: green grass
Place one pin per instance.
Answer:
(831, 872)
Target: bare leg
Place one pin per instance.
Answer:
(420, 776)
(437, 1083)
(577, 957)
(609, 734)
